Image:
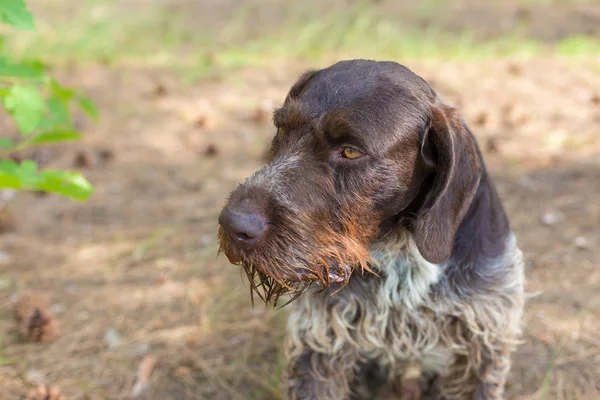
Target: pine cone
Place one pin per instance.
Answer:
(35, 321)
(44, 392)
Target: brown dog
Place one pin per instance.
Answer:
(376, 209)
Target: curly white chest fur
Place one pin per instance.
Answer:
(406, 320)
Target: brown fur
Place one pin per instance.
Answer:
(413, 256)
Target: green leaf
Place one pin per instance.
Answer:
(25, 176)
(27, 173)
(61, 92)
(6, 143)
(88, 107)
(26, 105)
(55, 136)
(58, 116)
(66, 183)
(8, 181)
(15, 175)
(16, 14)
(9, 175)
(21, 70)
(9, 166)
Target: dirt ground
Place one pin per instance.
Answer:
(132, 274)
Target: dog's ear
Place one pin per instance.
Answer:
(447, 148)
(301, 83)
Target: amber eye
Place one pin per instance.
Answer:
(351, 153)
(280, 132)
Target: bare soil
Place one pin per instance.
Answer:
(140, 258)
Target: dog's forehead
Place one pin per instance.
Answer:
(381, 102)
(354, 81)
(380, 90)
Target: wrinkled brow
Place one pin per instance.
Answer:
(336, 128)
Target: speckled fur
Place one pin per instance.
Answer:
(415, 317)
(417, 207)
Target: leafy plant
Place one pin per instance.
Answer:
(41, 109)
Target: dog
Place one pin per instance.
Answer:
(376, 216)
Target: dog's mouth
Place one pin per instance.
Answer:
(271, 289)
(286, 265)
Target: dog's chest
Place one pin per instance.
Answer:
(389, 316)
(400, 318)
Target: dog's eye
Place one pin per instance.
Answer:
(351, 153)
(280, 132)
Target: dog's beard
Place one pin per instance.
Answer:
(306, 251)
(289, 267)
(270, 288)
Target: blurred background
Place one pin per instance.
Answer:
(185, 90)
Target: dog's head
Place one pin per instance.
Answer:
(361, 148)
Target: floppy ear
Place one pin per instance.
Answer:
(449, 149)
(301, 83)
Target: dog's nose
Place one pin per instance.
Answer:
(242, 226)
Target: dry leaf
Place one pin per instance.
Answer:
(144, 371)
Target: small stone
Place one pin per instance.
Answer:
(113, 338)
(57, 308)
(580, 242)
(7, 195)
(551, 218)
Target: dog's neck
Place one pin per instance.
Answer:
(479, 241)
(481, 233)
